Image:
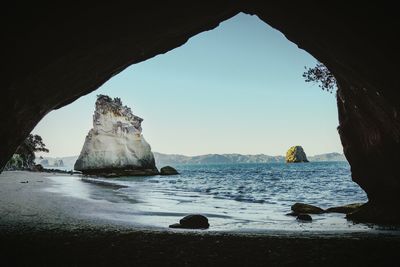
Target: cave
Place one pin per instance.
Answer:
(55, 53)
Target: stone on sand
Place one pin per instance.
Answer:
(193, 221)
(306, 208)
(346, 209)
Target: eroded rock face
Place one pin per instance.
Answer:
(296, 154)
(115, 145)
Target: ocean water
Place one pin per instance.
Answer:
(240, 197)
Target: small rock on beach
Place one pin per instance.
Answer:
(168, 170)
(346, 209)
(193, 221)
(299, 208)
(304, 217)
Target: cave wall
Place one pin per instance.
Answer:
(54, 54)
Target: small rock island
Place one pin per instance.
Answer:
(296, 154)
(115, 145)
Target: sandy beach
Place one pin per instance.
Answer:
(39, 226)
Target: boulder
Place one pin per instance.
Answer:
(304, 217)
(296, 154)
(299, 208)
(175, 225)
(346, 209)
(193, 221)
(168, 170)
(115, 145)
(370, 212)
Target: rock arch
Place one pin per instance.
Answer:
(55, 53)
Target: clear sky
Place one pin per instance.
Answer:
(235, 89)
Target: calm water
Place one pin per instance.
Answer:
(234, 197)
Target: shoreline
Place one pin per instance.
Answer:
(67, 236)
(35, 197)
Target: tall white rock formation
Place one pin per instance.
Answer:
(115, 145)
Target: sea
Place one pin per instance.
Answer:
(234, 197)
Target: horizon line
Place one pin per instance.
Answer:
(77, 155)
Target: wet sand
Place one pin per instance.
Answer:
(39, 227)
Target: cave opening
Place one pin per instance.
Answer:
(243, 68)
(54, 54)
(233, 95)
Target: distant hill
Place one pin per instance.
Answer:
(54, 163)
(176, 159)
(328, 157)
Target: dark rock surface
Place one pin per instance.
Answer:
(115, 172)
(168, 170)
(345, 209)
(175, 225)
(373, 213)
(304, 217)
(193, 221)
(299, 208)
(56, 53)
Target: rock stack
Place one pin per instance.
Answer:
(115, 145)
(296, 154)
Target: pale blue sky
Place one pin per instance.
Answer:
(235, 89)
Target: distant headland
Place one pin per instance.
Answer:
(162, 159)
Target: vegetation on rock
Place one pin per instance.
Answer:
(24, 156)
(321, 75)
(296, 154)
